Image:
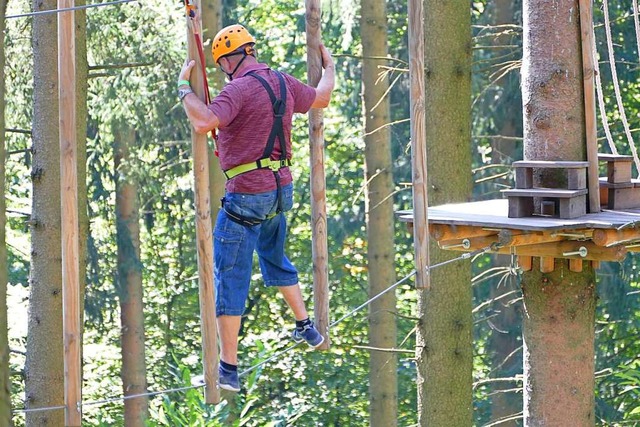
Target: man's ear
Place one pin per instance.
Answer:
(249, 50)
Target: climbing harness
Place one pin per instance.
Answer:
(190, 10)
(265, 161)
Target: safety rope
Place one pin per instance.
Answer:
(616, 86)
(191, 13)
(66, 9)
(601, 105)
(428, 269)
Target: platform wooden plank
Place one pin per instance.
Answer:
(549, 164)
(544, 192)
(606, 184)
(614, 158)
(493, 214)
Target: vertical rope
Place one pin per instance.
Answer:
(616, 85)
(601, 106)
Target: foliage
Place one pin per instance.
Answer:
(298, 387)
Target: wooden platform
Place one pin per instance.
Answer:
(604, 236)
(493, 213)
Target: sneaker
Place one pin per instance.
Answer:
(228, 380)
(310, 334)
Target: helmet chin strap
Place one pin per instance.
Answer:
(230, 75)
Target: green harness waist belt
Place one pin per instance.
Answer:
(265, 161)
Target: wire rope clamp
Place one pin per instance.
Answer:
(582, 252)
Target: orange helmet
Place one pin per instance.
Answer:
(228, 40)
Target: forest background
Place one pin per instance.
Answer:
(299, 388)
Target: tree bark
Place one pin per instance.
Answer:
(5, 382)
(559, 335)
(129, 281)
(443, 347)
(383, 381)
(558, 329)
(44, 362)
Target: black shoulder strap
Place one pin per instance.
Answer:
(279, 107)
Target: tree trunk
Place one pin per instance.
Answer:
(44, 361)
(504, 340)
(559, 335)
(129, 281)
(5, 384)
(558, 329)
(383, 381)
(443, 347)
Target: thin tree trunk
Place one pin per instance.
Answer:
(383, 381)
(559, 320)
(505, 335)
(129, 282)
(443, 348)
(5, 382)
(44, 360)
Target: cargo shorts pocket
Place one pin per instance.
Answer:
(226, 248)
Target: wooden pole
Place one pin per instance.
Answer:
(204, 235)
(418, 142)
(588, 71)
(69, 215)
(318, 181)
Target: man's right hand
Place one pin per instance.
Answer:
(327, 60)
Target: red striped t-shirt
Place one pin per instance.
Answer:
(246, 116)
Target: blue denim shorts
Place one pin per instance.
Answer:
(234, 244)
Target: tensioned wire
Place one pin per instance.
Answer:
(273, 356)
(86, 6)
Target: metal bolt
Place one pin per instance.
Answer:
(582, 252)
(465, 244)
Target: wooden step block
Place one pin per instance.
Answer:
(570, 203)
(545, 192)
(576, 172)
(623, 198)
(618, 167)
(620, 195)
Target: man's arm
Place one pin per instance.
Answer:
(202, 118)
(327, 81)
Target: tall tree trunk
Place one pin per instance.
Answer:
(383, 387)
(44, 361)
(559, 321)
(505, 335)
(129, 282)
(5, 384)
(443, 347)
(211, 24)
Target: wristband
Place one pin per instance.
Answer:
(184, 82)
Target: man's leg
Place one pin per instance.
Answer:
(305, 330)
(228, 329)
(293, 296)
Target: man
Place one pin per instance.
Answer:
(253, 113)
